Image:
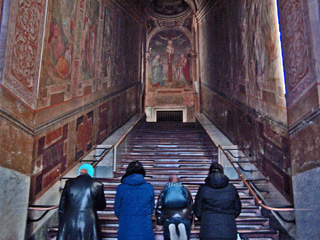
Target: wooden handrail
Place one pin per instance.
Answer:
(40, 208)
(277, 209)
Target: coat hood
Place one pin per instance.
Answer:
(217, 180)
(134, 179)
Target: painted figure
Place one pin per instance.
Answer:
(63, 66)
(183, 71)
(157, 72)
(170, 51)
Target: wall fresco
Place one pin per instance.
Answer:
(108, 37)
(89, 44)
(242, 89)
(295, 43)
(55, 85)
(69, 119)
(24, 49)
(90, 47)
(169, 65)
(249, 64)
(126, 49)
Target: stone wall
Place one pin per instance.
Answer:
(242, 87)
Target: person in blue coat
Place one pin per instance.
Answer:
(134, 204)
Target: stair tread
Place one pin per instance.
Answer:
(187, 151)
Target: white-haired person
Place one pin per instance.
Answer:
(80, 200)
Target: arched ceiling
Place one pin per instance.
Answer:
(169, 7)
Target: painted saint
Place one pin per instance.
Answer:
(183, 71)
(157, 72)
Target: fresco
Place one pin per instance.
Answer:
(60, 42)
(106, 63)
(90, 41)
(23, 48)
(169, 65)
(125, 51)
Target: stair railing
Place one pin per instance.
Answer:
(116, 147)
(94, 164)
(259, 202)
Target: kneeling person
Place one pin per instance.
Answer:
(80, 200)
(174, 210)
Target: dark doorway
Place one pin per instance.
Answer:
(173, 116)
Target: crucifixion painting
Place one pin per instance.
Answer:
(170, 51)
(169, 65)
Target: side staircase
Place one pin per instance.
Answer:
(186, 150)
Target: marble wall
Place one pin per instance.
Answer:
(242, 83)
(14, 202)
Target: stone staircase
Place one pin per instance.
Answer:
(185, 150)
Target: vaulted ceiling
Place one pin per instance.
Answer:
(169, 7)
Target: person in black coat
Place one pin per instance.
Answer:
(80, 200)
(174, 210)
(217, 205)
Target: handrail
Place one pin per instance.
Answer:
(122, 139)
(251, 190)
(47, 208)
(42, 207)
(104, 149)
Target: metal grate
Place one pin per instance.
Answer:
(173, 116)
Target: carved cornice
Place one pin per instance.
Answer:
(308, 120)
(8, 117)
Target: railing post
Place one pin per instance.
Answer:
(115, 158)
(222, 159)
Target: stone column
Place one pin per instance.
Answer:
(299, 24)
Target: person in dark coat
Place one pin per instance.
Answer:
(217, 205)
(134, 205)
(174, 210)
(80, 200)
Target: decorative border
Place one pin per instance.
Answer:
(24, 49)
